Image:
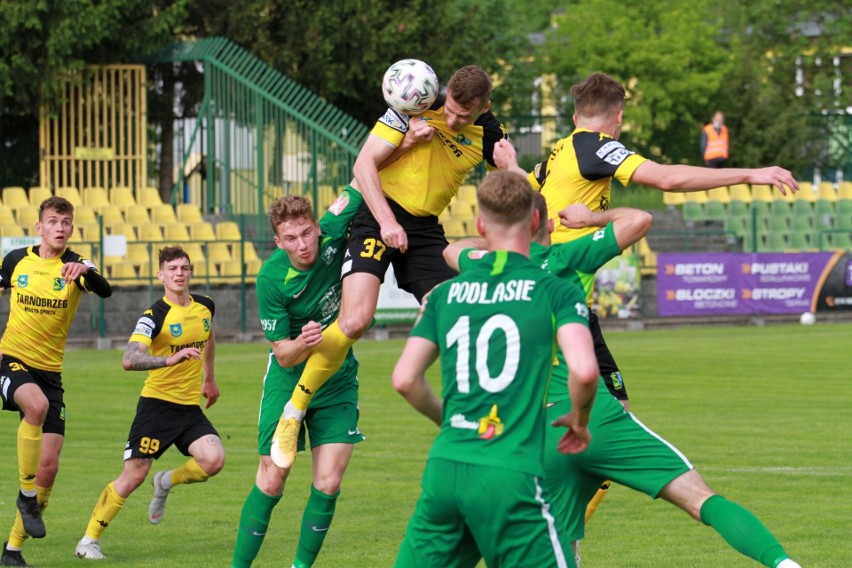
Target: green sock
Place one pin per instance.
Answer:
(742, 530)
(315, 523)
(254, 520)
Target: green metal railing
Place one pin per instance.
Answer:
(261, 135)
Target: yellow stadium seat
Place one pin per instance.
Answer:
(7, 216)
(826, 191)
(95, 197)
(673, 198)
(84, 215)
(248, 251)
(122, 273)
(845, 190)
(189, 213)
(176, 232)
(763, 193)
(15, 197)
(740, 192)
(149, 197)
(231, 271)
(202, 232)
(137, 214)
(11, 230)
(39, 194)
(720, 194)
(455, 228)
(85, 250)
(202, 269)
(122, 196)
(807, 192)
(126, 229)
(696, 196)
(137, 254)
(163, 214)
(70, 193)
(27, 217)
(467, 194)
(194, 250)
(111, 214)
(150, 232)
(218, 253)
(253, 267)
(228, 231)
(89, 232)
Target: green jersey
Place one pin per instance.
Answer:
(495, 326)
(289, 298)
(574, 262)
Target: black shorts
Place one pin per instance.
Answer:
(159, 424)
(608, 367)
(417, 270)
(14, 373)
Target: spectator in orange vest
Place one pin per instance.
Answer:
(714, 142)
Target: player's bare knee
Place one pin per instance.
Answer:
(34, 408)
(328, 484)
(355, 323)
(689, 492)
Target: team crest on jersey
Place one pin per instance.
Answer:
(464, 140)
(340, 203)
(176, 330)
(23, 280)
(206, 323)
(476, 254)
(328, 255)
(490, 425)
(58, 284)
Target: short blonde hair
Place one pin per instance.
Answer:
(505, 198)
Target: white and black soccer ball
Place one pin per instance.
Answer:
(410, 86)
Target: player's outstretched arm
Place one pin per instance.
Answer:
(693, 178)
(366, 169)
(209, 388)
(409, 377)
(291, 352)
(629, 225)
(453, 251)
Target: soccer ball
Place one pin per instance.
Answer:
(410, 86)
(807, 318)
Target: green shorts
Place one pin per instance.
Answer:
(467, 512)
(622, 449)
(335, 420)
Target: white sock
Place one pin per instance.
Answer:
(28, 492)
(166, 481)
(788, 563)
(87, 540)
(290, 411)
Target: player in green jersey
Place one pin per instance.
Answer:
(623, 449)
(495, 328)
(298, 295)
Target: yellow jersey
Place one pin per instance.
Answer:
(424, 180)
(42, 306)
(580, 169)
(166, 328)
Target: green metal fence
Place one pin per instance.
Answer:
(260, 135)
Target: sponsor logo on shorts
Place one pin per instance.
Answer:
(617, 383)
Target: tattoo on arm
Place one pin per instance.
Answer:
(138, 360)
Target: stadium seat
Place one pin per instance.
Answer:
(70, 193)
(779, 223)
(218, 253)
(720, 194)
(715, 211)
(122, 274)
(696, 196)
(122, 196)
(111, 214)
(842, 241)
(202, 232)
(7, 216)
(739, 224)
(194, 250)
(455, 228)
(740, 192)
(39, 194)
(89, 232)
(27, 217)
(228, 231)
(87, 251)
(673, 198)
(150, 232)
(203, 270)
(84, 215)
(11, 230)
(126, 229)
(176, 232)
(15, 197)
(137, 214)
(149, 197)
(231, 271)
(845, 190)
(774, 242)
(467, 194)
(826, 191)
(763, 193)
(738, 208)
(803, 221)
(824, 207)
(163, 214)
(95, 197)
(189, 213)
(800, 241)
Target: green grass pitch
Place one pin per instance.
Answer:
(763, 413)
